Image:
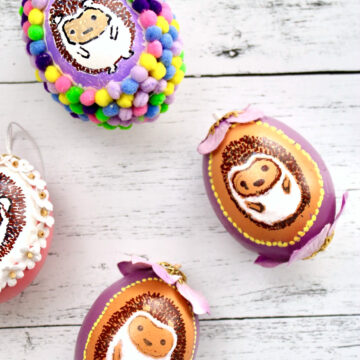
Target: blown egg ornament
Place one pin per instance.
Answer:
(26, 225)
(269, 187)
(149, 314)
(111, 62)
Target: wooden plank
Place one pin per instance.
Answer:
(141, 192)
(236, 36)
(281, 339)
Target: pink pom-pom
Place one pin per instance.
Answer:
(27, 8)
(39, 4)
(26, 27)
(140, 111)
(63, 84)
(94, 119)
(155, 48)
(148, 18)
(167, 14)
(125, 114)
(87, 98)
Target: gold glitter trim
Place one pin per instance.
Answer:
(309, 223)
(323, 246)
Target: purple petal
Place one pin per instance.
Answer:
(213, 140)
(312, 246)
(164, 275)
(267, 263)
(136, 264)
(198, 301)
(342, 208)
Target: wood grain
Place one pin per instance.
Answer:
(141, 192)
(283, 339)
(236, 37)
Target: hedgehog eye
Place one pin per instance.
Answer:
(140, 328)
(72, 32)
(264, 168)
(93, 17)
(162, 342)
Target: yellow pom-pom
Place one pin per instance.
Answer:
(148, 61)
(177, 62)
(176, 25)
(163, 24)
(36, 17)
(52, 73)
(37, 76)
(178, 77)
(63, 99)
(170, 88)
(102, 98)
(125, 100)
(159, 72)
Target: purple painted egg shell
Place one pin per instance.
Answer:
(269, 188)
(139, 317)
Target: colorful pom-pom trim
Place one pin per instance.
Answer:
(141, 97)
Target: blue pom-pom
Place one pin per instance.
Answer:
(37, 47)
(166, 41)
(129, 86)
(155, 6)
(42, 61)
(111, 110)
(55, 97)
(153, 33)
(140, 5)
(84, 117)
(67, 108)
(153, 110)
(173, 32)
(166, 57)
(90, 110)
(170, 72)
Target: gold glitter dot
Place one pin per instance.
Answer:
(41, 233)
(15, 163)
(12, 275)
(42, 195)
(31, 176)
(44, 212)
(29, 255)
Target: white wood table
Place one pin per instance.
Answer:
(141, 192)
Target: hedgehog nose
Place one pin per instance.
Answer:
(259, 182)
(147, 342)
(88, 31)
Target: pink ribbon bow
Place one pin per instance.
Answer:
(198, 301)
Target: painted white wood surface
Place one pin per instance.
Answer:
(236, 36)
(141, 192)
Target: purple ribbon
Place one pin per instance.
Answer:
(198, 301)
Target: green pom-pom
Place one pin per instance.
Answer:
(164, 108)
(157, 99)
(101, 116)
(107, 126)
(21, 10)
(183, 68)
(77, 108)
(182, 55)
(141, 118)
(73, 94)
(36, 32)
(125, 127)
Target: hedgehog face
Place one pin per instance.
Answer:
(86, 27)
(150, 339)
(258, 178)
